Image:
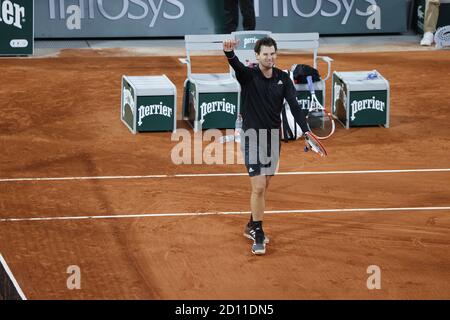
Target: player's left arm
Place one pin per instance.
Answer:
(290, 96)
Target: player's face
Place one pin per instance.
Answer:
(267, 56)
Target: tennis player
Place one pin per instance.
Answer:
(264, 88)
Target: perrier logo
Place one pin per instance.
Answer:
(154, 109)
(365, 104)
(11, 13)
(307, 104)
(216, 106)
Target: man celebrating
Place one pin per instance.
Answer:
(264, 89)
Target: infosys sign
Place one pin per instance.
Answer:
(16, 27)
(146, 18)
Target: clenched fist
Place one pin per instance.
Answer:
(230, 45)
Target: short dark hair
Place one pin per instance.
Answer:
(267, 42)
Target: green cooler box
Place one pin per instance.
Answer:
(16, 27)
(359, 99)
(148, 103)
(211, 101)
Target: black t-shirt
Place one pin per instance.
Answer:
(263, 98)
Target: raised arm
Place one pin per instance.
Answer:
(243, 74)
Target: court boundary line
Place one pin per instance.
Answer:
(191, 175)
(12, 278)
(155, 215)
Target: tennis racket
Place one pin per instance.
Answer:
(319, 120)
(314, 145)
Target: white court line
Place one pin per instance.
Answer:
(190, 175)
(84, 178)
(154, 215)
(11, 277)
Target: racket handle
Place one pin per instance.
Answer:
(310, 84)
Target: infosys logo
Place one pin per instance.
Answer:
(117, 9)
(327, 9)
(12, 14)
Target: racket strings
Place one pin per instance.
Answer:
(320, 123)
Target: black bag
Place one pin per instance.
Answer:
(301, 71)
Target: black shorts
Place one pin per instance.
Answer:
(261, 151)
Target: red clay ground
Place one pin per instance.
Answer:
(59, 117)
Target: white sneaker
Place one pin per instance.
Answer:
(427, 39)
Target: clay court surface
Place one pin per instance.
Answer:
(60, 118)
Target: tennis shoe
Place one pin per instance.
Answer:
(427, 39)
(250, 233)
(259, 246)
